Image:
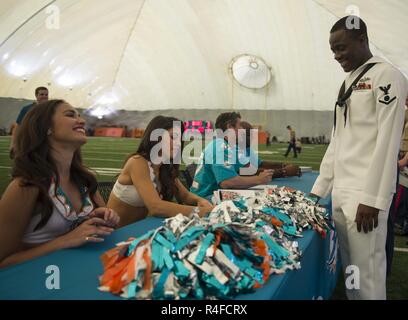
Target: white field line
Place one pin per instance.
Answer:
(267, 152)
(112, 146)
(104, 152)
(102, 171)
(86, 158)
(89, 151)
(100, 159)
(195, 159)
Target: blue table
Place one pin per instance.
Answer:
(79, 268)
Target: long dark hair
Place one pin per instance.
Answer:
(168, 172)
(33, 162)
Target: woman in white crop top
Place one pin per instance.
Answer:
(52, 202)
(149, 179)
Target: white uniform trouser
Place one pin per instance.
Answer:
(363, 250)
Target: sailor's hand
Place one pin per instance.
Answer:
(366, 218)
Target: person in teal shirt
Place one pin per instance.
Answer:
(220, 163)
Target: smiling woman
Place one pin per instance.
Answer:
(52, 201)
(68, 127)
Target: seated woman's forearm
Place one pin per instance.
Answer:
(192, 199)
(187, 198)
(32, 253)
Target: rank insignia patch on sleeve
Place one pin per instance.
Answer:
(386, 99)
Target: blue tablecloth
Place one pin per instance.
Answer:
(79, 268)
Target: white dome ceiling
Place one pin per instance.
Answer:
(161, 54)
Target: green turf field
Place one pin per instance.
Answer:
(106, 156)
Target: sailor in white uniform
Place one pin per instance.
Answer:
(359, 168)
